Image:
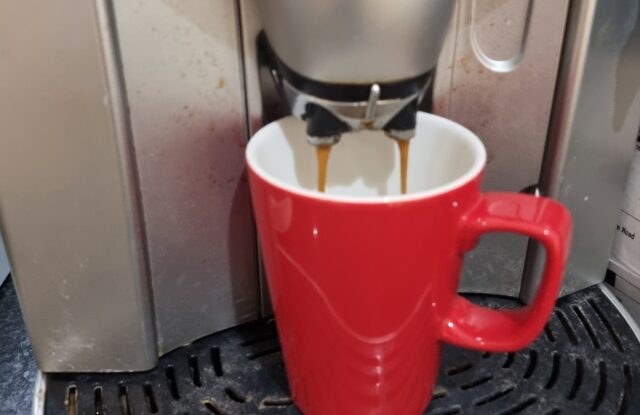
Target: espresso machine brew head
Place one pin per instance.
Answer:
(355, 64)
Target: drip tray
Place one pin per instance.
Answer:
(587, 360)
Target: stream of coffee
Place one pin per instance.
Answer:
(322, 154)
(403, 146)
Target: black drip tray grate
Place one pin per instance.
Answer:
(587, 360)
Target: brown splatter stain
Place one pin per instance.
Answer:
(211, 127)
(490, 156)
(222, 82)
(440, 105)
(465, 62)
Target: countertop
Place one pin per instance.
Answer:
(17, 365)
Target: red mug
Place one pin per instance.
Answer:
(363, 280)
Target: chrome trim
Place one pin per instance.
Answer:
(39, 394)
(623, 311)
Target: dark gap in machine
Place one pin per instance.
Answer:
(194, 370)
(567, 327)
(494, 397)
(150, 398)
(123, 397)
(587, 325)
(521, 406)
(549, 334)
(607, 325)
(97, 401)
(208, 403)
(285, 401)
(458, 369)
(172, 384)
(577, 379)
(270, 336)
(235, 396)
(265, 352)
(602, 387)
(216, 362)
(626, 390)
(453, 410)
(476, 382)
(509, 360)
(71, 401)
(533, 362)
(555, 370)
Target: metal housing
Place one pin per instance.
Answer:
(123, 203)
(332, 41)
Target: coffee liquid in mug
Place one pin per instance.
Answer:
(322, 154)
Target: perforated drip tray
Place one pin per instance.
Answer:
(587, 360)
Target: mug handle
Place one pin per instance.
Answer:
(545, 220)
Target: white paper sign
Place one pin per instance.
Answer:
(626, 247)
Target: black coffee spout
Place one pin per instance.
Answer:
(323, 128)
(403, 125)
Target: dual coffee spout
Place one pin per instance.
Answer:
(357, 64)
(326, 124)
(332, 109)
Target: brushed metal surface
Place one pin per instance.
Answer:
(251, 25)
(262, 102)
(357, 41)
(592, 132)
(497, 76)
(68, 207)
(181, 62)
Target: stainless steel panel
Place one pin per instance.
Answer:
(496, 76)
(592, 132)
(357, 41)
(68, 206)
(257, 97)
(182, 69)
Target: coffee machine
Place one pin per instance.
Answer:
(123, 199)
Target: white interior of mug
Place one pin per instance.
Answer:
(365, 165)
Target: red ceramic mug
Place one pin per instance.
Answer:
(363, 280)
